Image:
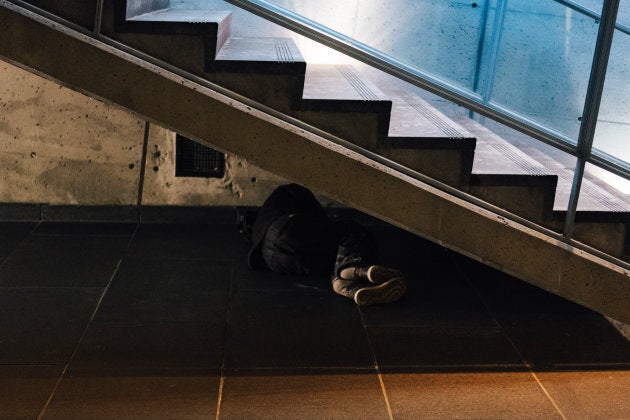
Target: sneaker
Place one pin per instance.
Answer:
(378, 274)
(387, 292)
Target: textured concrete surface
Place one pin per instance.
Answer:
(243, 185)
(58, 146)
(166, 321)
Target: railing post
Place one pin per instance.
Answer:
(591, 106)
(98, 18)
(497, 35)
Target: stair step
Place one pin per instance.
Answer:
(495, 155)
(259, 55)
(181, 21)
(594, 202)
(181, 37)
(417, 125)
(425, 140)
(505, 176)
(341, 88)
(337, 99)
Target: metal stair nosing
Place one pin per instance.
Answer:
(214, 119)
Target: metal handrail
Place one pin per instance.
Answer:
(591, 13)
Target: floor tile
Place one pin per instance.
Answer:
(506, 295)
(153, 291)
(64, 261)
(42, 326)
(91, 228)
(158, 346)
(277, 396)
(590, 394)
(566, 344)
(136, 394)
(436, 297)
(467, 396)
(442, 348)
(316, 330)
(25, 389)
(11, 235)
(246, 279)
(184, 241)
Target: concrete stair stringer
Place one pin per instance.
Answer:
(265, 141)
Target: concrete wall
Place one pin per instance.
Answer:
(61, 147)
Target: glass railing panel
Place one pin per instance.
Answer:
(623, 16)
(440, 38)
(543, 64)
(612, 135)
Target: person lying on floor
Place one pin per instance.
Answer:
(293, 235)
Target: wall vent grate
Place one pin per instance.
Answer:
(196, 160)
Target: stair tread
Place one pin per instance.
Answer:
(593, 198)
(495, 155)
(274, 50)
(337, 84)
(182, 16)
(416, 124)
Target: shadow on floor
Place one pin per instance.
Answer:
(166, 320)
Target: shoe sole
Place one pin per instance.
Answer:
(377, 274)
(387, 292)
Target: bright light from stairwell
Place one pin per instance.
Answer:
(315, 53)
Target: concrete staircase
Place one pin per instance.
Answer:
(393, 123)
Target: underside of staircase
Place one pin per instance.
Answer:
(388, 121)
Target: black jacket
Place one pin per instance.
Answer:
(284, 200)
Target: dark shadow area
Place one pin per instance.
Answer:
(174, 305)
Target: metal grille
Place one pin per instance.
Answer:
(196, 160)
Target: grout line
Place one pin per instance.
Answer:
(29, 234)
(547, 394)
(220, 394)
(225, 340)
(505, 335)
(79, 342)
(84, 334)
(376, 366)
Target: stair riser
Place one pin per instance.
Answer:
(451, 166)
(182, 51)
(534, 203)
(361, 128)
(607, 237)
(81, 12)
(280, 92)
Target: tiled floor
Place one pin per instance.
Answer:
(158, 321)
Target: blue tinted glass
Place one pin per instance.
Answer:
(623, 17)
(544, 62)
(613, 126)
(594, 5)
(438, 37)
